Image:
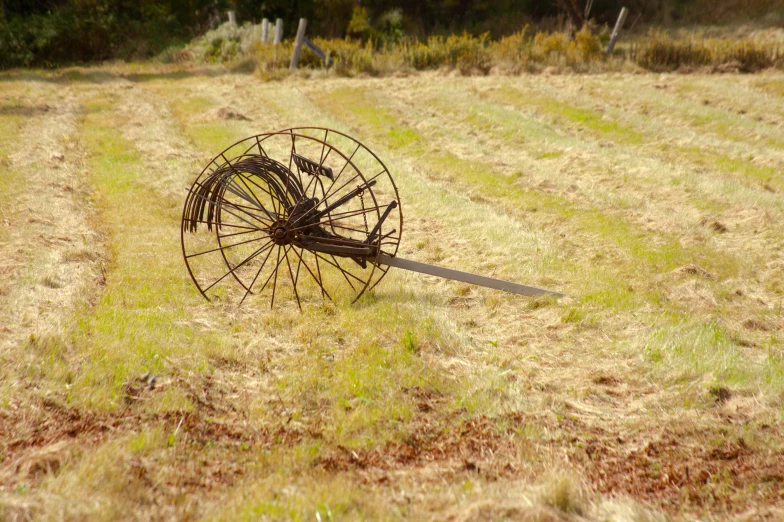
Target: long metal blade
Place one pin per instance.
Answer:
(465, 277)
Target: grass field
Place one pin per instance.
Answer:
(654, 391)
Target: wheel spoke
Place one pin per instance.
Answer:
(293, 281)
(237, 233)
(188, 220)
(247, 291)
(316, 279)
(227, 246)
(348, 161)
(261, 149)
(345, 272)
(318, 270)
(275, 282)
(247, 259)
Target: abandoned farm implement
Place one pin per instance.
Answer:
(305, 211)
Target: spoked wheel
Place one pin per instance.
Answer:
(303, 213)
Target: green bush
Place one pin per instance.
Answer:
(68, 35)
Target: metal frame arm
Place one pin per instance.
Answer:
(464, 277)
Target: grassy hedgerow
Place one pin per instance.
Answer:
(478, 55)
(659, 52)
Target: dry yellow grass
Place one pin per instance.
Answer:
(654, 391)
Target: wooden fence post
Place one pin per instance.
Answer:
(616, 30)
(278, 31)
(318, 51)
(303, 23)
(264, 30)
(232, 17)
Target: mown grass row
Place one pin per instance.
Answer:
(661, 253)
(374, 118)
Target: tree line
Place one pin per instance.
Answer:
(55, 32)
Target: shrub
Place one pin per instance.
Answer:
(225, 43)
(749, 56)
(550, 43)
(513, 52)
(464, 52)
(350, 57)
(660, 52)
(585, 46)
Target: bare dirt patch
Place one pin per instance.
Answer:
(685, 470)
(475, 445)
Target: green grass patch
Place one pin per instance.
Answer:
(621, 134)
(140, 323)
(686, 349)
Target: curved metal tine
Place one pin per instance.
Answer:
(250, 180)
(216, 205)
(244, 210)
(247, 259)
(219, 206)
(250, 196)
(250, 287)
(226, 204)
(273, 198)
(239, 175)
(252, 200)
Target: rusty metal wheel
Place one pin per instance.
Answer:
(304, 212)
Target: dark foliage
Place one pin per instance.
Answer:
(47, 33)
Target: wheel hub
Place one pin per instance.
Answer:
(280, 234)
